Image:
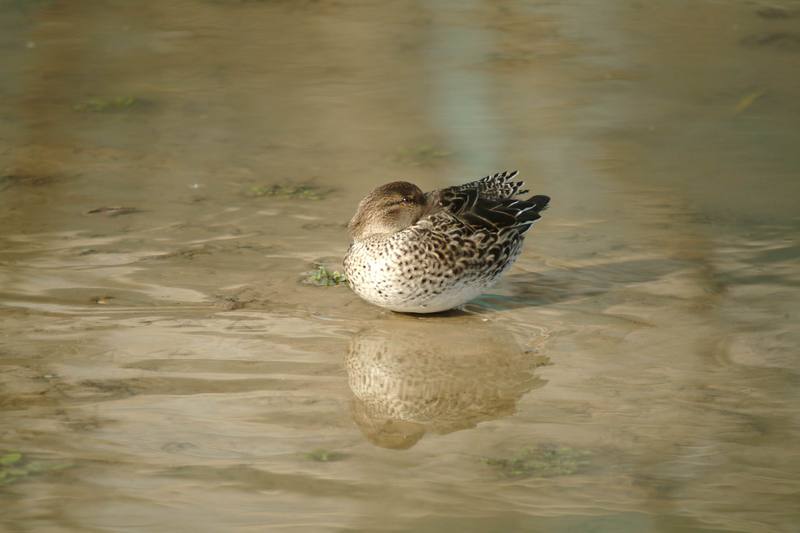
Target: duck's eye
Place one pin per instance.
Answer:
(406, 200)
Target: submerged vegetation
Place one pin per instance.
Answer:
(15, 466)
(323, 277)
(423, 156)
(109, 105)
(304, 191)
(780, 40)
(541, 461)
(324, 456)
(26, 180)
(114, 211)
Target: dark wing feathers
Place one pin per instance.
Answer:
(488, 204)
(495, 186)
(497, 215)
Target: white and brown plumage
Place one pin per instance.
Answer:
(423, 253)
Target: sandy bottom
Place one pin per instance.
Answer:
(171, 174)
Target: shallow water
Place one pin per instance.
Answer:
(163, 367)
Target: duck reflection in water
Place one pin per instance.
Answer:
(408, 378)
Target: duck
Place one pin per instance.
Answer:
(417, 252)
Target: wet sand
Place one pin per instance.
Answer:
(170, 174)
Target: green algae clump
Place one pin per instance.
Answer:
(302, 192)
(324, 456)
(15, 466)
(108, 105)
(541, 461)
(323, 277)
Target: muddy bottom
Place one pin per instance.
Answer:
(172, 357)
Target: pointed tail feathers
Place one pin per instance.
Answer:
(529, 211)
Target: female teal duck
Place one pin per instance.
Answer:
(416, 252)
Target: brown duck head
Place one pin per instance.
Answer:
(388, 209)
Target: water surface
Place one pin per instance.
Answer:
(171, 171)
